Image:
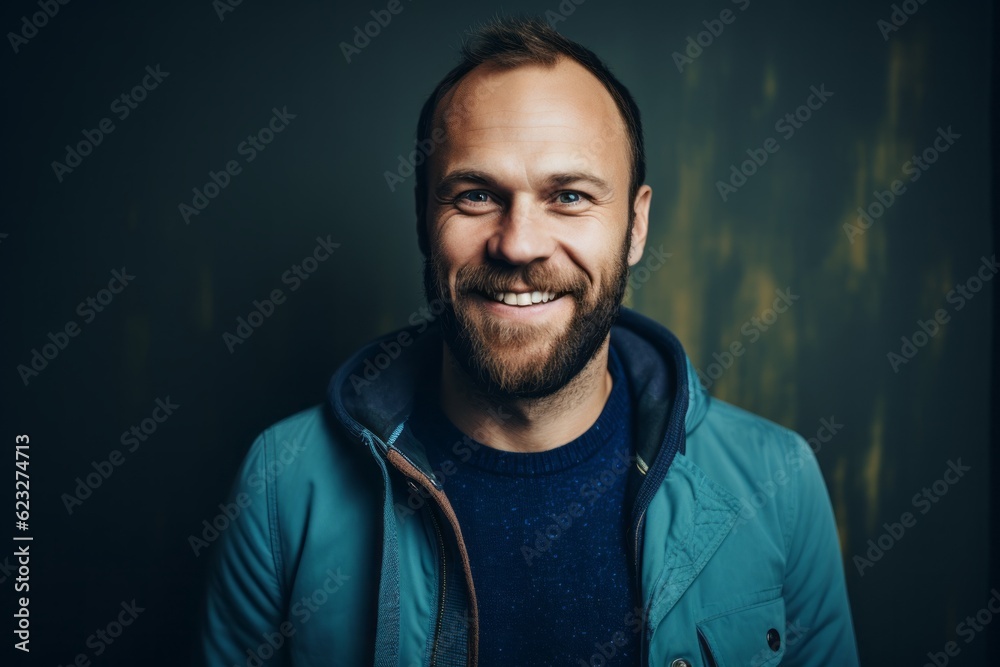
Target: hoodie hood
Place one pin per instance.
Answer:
(373, 392)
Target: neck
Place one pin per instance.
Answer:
(526, 424)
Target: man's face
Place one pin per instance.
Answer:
(530, 224)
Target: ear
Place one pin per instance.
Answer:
(640, 225)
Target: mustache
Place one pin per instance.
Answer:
(490, 279)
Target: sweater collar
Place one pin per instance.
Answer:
(447, 442)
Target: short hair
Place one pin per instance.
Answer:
(509, 43)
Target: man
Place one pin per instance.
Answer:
(534, 477)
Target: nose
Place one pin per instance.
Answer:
(522, 235)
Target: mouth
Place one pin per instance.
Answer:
(526, 306)
(524, 299)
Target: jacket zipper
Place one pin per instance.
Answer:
(638, 565)
(644, 658)
(444, 584)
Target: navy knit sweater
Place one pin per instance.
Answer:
(545, 533)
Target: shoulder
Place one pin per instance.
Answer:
(292, 441)
(307, 424)
(304, 454)
(307, 474)
(756, 460)
(740, 436)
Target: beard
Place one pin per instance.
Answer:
(491, 350)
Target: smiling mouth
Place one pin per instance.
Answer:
(524, 298)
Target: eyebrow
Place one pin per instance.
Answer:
(451, 180)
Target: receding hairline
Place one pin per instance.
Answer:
(491, 68)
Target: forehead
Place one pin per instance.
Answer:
(562, 112)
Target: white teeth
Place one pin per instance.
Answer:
(524, 298)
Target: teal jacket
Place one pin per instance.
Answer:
(337, 545)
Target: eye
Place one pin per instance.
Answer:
(474, 197)
(569, 197)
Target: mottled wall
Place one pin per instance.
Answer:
(824, 358)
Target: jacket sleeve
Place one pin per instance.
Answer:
(243, 604)
(819, 629)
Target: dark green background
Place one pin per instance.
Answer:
(324, 175)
